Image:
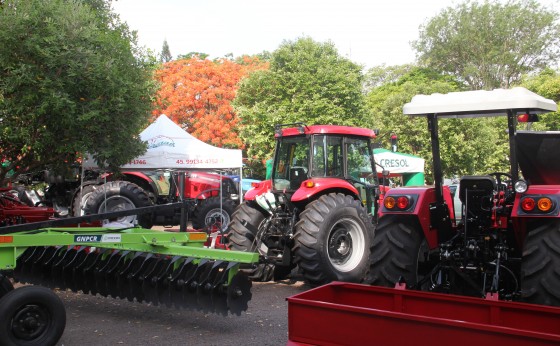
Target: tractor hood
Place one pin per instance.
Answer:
(538, 154)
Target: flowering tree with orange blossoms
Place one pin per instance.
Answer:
(197, 93)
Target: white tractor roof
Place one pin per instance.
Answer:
(479, 103)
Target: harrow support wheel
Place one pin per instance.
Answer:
(31, 316)
(332, 240)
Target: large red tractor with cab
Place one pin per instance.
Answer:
(317, 211)
(507, 241)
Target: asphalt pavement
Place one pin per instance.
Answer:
(95, 320)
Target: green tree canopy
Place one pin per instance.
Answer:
(72, 80)
(546, 84)
(166, 52)
(307, 82)
(491, 44)
(467, 146)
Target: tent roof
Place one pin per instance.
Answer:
(171, 147)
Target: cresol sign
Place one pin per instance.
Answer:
(394, 163)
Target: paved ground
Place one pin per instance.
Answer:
(93, 320)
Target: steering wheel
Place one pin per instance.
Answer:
(498, 176)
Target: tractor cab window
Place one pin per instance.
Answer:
(359, 161)
(327, 156)
(292, 163)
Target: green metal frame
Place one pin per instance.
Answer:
(185, 244)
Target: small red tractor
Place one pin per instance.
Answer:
(100, 193)
(317, 211)
(507, 241)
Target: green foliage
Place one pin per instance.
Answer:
(467, 146)
(491, 44)
(307, 82)
(72, 80)
(165, 52)
(191, 55)
(546, 84)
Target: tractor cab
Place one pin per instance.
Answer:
(312, 159)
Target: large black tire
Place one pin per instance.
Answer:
(117, 196)
(80, 198)
(396, 253)
(333, 239)
(540, 266)
(31, 316)
(242, 238)
(210, 214)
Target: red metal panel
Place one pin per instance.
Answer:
(353, 314)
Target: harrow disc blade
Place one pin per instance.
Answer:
(112, 274)
(163, 284)
(149, 282)
(24, 264)
(124, 278)
(190, 300)
(57, 268)
(205, 286)
(177, 282)
(239, 293)
(219, 290)
(68, 269)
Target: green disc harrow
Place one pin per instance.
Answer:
(162, 268)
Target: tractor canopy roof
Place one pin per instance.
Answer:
(538, 156)
(479, 103)
(325, 129)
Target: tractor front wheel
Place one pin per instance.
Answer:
(31, 316)
(398, 251)
(242, 235)
(212, 214)
(540, 278)
(333, 239)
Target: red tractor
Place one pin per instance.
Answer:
(317, 211)
(107, 192)
(507, 241)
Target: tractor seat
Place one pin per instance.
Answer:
(297, 176)
(477, 186)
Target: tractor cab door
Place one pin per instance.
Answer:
(360, 170)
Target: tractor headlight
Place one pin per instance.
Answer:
(520, 186)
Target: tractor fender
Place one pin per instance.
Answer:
(320, 186)
(422, 197)
(521, 219)
(141, 180)
(259, 189)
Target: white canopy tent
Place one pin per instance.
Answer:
(171, 147)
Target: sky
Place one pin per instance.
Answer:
(368, 32)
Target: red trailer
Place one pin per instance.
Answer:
(354, 314)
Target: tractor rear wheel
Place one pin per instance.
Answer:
(398, 251)
(540, 278)
(211, 214)
(333, 239)
(118, 196)
(31, 316)
(246, 221)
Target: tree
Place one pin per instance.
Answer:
(546, 84)
(307, 82)
(197, 93)
(165, 52)
(490, 45)
(72, 80)
(467, 146)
